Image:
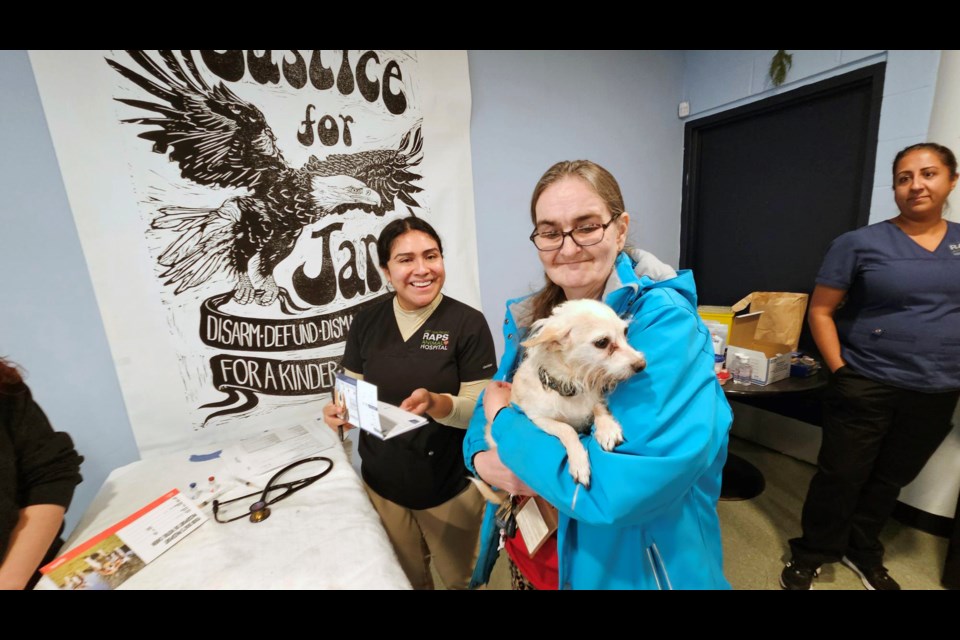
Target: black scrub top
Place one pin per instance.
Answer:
(423, 468)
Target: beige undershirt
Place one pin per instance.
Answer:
(466, 399)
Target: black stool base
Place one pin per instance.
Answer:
(741, 480)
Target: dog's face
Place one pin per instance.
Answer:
(589, 340)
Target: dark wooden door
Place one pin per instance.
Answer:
(769, 185)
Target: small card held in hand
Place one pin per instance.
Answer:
(365, 411)
(537, 520)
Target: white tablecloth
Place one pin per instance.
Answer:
(325, 536)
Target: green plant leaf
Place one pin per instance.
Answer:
(779, 66)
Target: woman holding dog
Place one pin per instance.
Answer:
(884, 314)
(431, 355)
(648, 519)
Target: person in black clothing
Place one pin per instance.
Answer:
(431, 355)
(39, 470)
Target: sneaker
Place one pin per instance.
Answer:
(875, 578)
(798, 577)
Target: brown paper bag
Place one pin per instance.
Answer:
(782, 318)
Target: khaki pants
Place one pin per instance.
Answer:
(449, 533)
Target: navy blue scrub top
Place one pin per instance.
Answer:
(900, 323)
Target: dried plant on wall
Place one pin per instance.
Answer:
(779, 66)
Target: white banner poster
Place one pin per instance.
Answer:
(228, 203)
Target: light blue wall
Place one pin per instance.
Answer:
(534, 108)
(715, 81)
(530, 109)
(51, 324)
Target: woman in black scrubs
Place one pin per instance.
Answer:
(431, 355)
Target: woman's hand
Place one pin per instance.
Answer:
(494, 472)
(495, 397)
(335, 417)
(437, 405)
(419, 402)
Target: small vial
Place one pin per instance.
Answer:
(194, 491)
(742, 371)
(214, 485)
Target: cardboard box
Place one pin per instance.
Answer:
(770, 361)
(768, 364)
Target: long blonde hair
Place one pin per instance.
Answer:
(605, 185)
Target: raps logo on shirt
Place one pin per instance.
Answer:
(435, 341)
(955, 249)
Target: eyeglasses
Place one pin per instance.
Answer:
(583, 236)
(296, 476)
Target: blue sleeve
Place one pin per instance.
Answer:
(675, 421)
(474, 441)
(839, 266)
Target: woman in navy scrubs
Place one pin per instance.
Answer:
(885, 315)
(431, 355)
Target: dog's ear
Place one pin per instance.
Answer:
(551, 335)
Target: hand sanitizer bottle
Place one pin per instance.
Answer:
(742, 372)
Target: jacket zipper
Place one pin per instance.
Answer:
(659, 568)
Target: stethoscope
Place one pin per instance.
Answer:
(260, 510)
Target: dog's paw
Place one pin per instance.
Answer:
(579, 463)
(608, 432)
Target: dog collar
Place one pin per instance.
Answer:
(564, 388)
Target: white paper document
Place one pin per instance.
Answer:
(273, 449)
(106, 560)
(362, 409)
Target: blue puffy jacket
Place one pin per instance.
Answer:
(649, 518)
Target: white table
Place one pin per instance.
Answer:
(325, 536)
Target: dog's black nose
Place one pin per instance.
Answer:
(639, 366)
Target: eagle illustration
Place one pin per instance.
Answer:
(218, 139)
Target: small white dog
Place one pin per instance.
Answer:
(574, 358)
